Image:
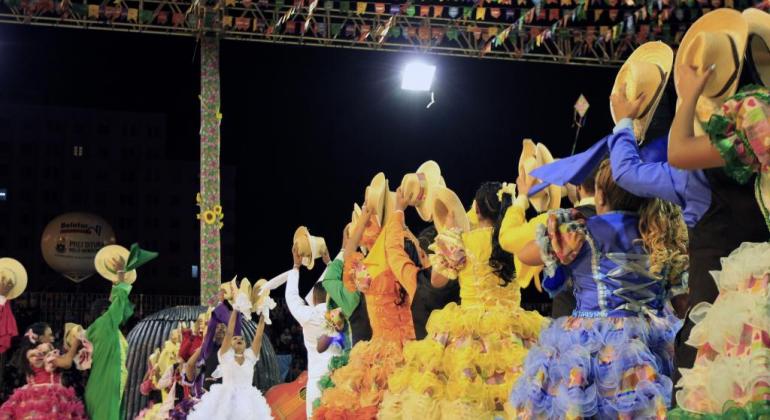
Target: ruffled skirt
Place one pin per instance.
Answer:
(731, 375)
(228, 402)
(467, 365)
(50, 401)
(607, 368)
(360, 384)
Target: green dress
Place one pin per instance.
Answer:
(107, 380)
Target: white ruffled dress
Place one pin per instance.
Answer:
(235, 398)
(732, 336)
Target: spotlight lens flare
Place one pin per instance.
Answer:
(418, 76)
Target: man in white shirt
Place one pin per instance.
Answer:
(311, 317)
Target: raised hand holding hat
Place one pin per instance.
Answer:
(418, 187)
(708, 62)
(308, 246)
(117, 264)
(639, 85)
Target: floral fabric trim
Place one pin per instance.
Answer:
(741, 133)
(449, 253)
(561, 238)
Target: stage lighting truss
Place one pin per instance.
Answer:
(326, 25)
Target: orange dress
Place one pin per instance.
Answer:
(360, 385)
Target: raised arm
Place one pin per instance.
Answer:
(120, 308)
(685, 150)
(297, 306)
(229, 333)
(358, 231)
(256, 344)
(399, 262)
(189, 367)
(529, 254)
(65, 361)
(332, 283)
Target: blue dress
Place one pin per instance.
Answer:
(613, 357)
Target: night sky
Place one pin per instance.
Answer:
(308, 127)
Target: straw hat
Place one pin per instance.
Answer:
(375, 195)
(245, 287)
(258, 296)
(445, 201)
(758, 51)
(390, 206)
(355, 215)
(353, 221)
(645, 71)
(719, 38)
(103, 263)
(418, 186)
(229, 289)
(308, 246)
(532, 157)
(71, 332)
(14, 271)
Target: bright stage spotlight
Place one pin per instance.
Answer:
(418, 76)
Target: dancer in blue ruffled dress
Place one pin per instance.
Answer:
(613, 357)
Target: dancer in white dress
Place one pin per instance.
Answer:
(235, 398)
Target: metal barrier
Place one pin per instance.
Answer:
(56, 308)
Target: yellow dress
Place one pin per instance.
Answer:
(466, 367)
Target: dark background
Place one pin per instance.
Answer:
(306, 128)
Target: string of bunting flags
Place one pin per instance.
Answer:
(490, 23)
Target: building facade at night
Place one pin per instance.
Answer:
(113, 164)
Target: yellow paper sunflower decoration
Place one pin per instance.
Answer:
(211, 216)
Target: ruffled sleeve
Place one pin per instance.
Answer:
(356, 277)
(740, 131)
(561, 238)
(449, 253)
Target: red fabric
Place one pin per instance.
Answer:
(8, 328)
(190, 343)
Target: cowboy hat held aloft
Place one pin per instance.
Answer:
(758, 51)
(646, 72)
(418, 187)
(353, 222)
(376, 196)
(105, 259)
(308, 247)
(132, 260)
(259, 294)
(11, 269)
(448, 211)
(71, 332)
(532, 157)
(717, 39)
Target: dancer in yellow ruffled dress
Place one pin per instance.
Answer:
(466, 367)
